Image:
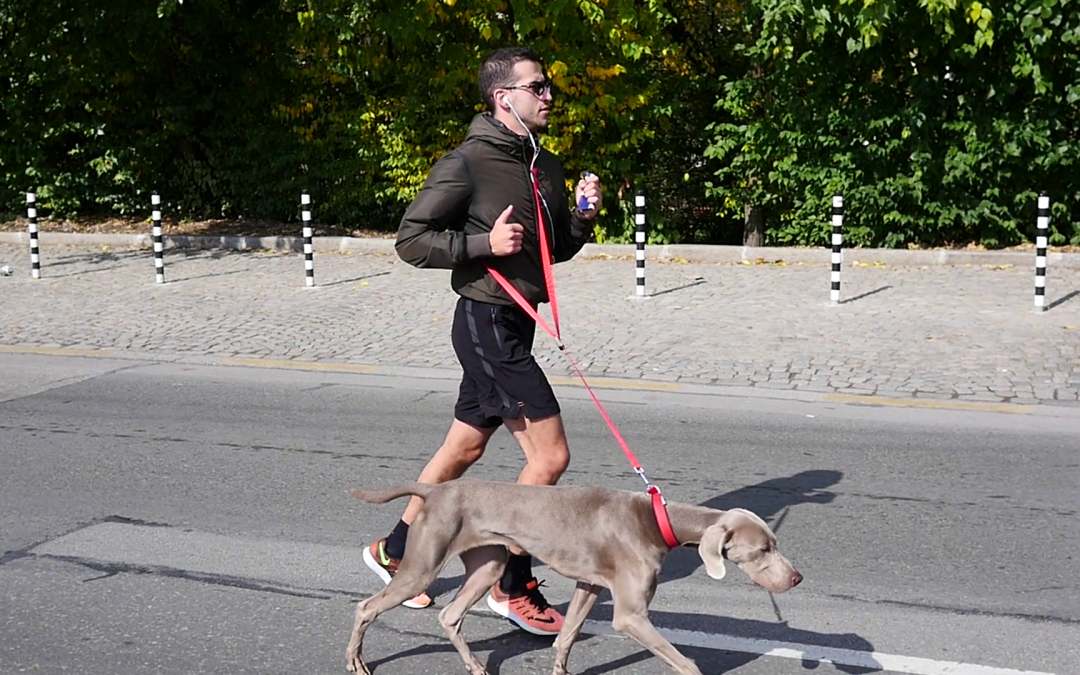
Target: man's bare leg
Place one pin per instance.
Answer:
(517, 596)
(464, 444)
(547, 453)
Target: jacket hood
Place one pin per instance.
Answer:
(486, 128)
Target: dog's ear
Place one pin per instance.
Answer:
(711, 549)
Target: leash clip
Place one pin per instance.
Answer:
(655, 491)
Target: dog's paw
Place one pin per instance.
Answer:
(473, 665)
(356, 665)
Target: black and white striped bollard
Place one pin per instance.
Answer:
(159, 245)
(309, 252)
(639, 241)
(837, 243)
(31, 217)
(1042, 234)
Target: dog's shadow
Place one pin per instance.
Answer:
(716, 660)
(503, 647)
(514, 643)
(769, 499)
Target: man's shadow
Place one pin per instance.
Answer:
(769, 499)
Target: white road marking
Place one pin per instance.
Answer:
(304, 565)
(834, 655)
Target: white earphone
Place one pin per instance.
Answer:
(528, 132)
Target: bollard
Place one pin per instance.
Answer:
(159, 246)
(639, 241)
(1042, 234)
(837, 242)
(309, 260)
(31, 216)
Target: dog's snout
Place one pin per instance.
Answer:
(796, 579)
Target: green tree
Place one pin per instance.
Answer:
(939, 125)
(393, 85)
(103, 102)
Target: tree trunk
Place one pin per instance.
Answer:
(753, 226)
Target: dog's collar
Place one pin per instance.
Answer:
(659, 505)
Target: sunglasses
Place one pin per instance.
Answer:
(538, 88)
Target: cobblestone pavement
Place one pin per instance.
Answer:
(937, 332)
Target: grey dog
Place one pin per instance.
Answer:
(597, 536)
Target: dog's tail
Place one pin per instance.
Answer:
(421, 490)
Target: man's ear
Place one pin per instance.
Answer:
(711, 549)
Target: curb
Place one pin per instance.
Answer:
(698, 253)
(616, 388)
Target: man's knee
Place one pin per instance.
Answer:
(546, 447)
(465, 443)
(462, 454)
(551, 463)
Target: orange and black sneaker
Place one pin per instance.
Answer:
(386, 567)
(527, 609)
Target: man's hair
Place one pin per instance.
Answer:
(498, 70)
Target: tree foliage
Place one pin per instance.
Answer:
(103, 102)
(940, 121)
(939, 125)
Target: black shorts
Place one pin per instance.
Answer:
(501, 379)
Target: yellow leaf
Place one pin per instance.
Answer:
(1070, 327)
(975, 11)
(364, 283)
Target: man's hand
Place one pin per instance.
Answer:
(590, 189)
(505, 237)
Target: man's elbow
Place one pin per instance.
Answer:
(410, 252)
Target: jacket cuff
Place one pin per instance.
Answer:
(581, 228)
(478, 245)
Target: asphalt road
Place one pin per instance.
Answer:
(191, 518)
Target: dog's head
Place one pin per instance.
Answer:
(746, 540)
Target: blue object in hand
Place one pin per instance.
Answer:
(583, 203)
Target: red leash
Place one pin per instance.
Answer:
(658, 501)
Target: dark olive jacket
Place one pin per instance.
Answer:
(447, 225)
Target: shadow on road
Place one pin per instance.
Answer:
(867, 294)
(695, 282)
(769, 499)
(106, 260)
(515, 643)
(1062, 300)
